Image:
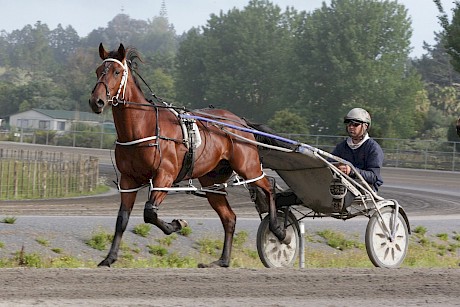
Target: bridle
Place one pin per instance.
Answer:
(114, 100)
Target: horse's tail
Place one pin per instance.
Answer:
(266, 139)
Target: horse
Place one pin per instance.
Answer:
(151, 149)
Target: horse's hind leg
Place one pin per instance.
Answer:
(248, 170)
(277, 229)
(127, 202)
(228, 218)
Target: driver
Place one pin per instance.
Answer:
(363, 152)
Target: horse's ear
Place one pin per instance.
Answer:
(102, 53)
(121, 52)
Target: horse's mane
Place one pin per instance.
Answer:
(132, 58)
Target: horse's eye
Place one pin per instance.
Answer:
(117, 72)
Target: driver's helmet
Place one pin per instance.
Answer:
(358, 115)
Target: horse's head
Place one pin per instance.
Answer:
(112, 77)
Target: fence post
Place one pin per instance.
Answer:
(454, 150)
(73, 138)
(426, 156)
(15, 178)
(22, 133)
(102, 137)
(44, 178)
(1, 174)
(81, 175)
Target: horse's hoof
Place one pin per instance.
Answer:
(104, 263)
(182, 223)
(287, 239)
(215, 264)
(178, 225)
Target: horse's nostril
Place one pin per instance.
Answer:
(100, 103)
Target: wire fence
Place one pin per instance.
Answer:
(90, 139)
(408, 153)
(405, 153)
(28, 174)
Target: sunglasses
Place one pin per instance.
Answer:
(354, 124)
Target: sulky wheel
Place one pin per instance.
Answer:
(382, 250)
(272, 252)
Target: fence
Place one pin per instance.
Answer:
(90, 139)
(37, 174)
(422, 154)
(406, 153)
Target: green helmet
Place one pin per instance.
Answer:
(358, 115)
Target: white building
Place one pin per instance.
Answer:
(58, 120)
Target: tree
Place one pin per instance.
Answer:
(64, 42)
(29, 48)
(239, 60)
(121, 29)
(159, 36)
(445, 99)
(441, 84)
(4, 60)
(191, 78)
(435, 66)
(354, 54)
(286, 121)
(451, 32)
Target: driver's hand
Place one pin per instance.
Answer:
(344, 168)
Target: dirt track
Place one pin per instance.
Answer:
(224, 287)
(229, 287)
(217, 287)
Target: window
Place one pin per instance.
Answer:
(44, 124)
(61, 126)
(23, 123)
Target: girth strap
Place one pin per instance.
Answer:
(187, 165)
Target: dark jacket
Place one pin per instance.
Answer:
(367, 159)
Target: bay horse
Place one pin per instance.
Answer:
(151, 149)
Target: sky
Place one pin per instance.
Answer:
(87, 15)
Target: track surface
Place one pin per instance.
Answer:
(421, 193)
(229, 287)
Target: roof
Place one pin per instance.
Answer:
(71, 115)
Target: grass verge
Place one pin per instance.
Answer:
(324, 249)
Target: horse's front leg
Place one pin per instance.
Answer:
(127, 202)
(151, 209)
